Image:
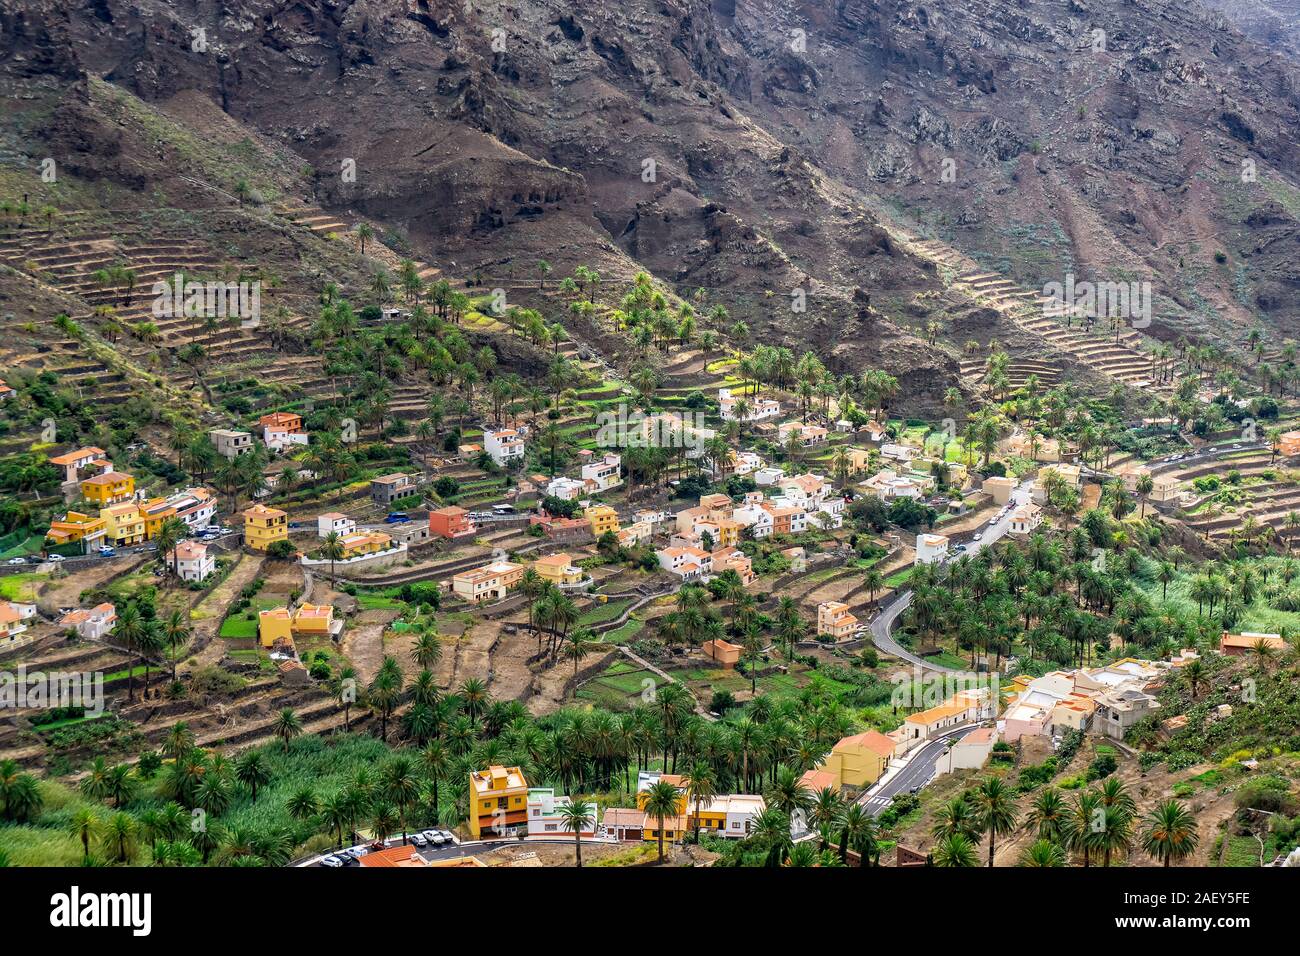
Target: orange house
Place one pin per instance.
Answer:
(450, 522)
(722, 652)
(281, 422)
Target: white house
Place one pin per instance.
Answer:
(689, 564)
(758, 409)
(334, 522)
(931, 548)
(1025, 520)
(191, 561)
(504, 445)
(746, 462)
(278, 439)
(566, 489)
(768, 476)
(755, 517)
(13, 620)
(91, 624)
(904, 453)
(544, 813)
(605, 473)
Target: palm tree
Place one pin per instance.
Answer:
(1043, 853)
(1170, 833)
(287, 725)
(772, 830)
(661, 803)
(995, 808)
(251, 770)
(1047, 816)
(84, 825)
(578, 816)
(955, 850)
(332, 548)
(175, 632)
(858, 833)
(825, 812)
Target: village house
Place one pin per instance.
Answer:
(834, 619)
(1288, 444)
(123, 524)
(75, 533)
(962, 707)
(768, 476)
(504, 446)
(1237, 645)
(567, 489)
(604, 473)
(808, 436)
(89, 459)
(386, 489)
(264, 526)
(544, 817)
(638, 532)
(729, 815)
(732, 559)
(300, 623)
(999, 488)
(231, 443)
(723, 653)
(14, 618)
(280, 422)
(857, 761)
(451, 523)
(91, 624)
(931, 548)
(602, 518)
(563, 530)
(971, 752)
(6, 392)
(366, 541)
(191, 561)
(1025, 520)
(689, 564)
(109, 488)
(758, 409)
(492, 582)
(498, 798)
(560, 570)
(334, 522)
(900, 453)
(888, 485)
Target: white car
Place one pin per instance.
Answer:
(978, 535)
(434, 837)
(56, 557)
(16, 561)
(419, 840)
(333, 862)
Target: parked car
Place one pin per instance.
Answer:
(333, 862)
(504, 509)
(434, 837)
(106, 552)
(56, 557)
(419, 840)
(978, 535)
(397, 517)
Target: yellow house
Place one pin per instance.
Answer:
(308, 620)
(559, 569)
(75, 527)
(858, 761)
(264, 526)
(156, 511)
(274, 625)
(365, 542)
(108, 488)
(123, 524)
(603, 518)
(498, 798)
(675, 827)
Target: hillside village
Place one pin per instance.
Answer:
(545, 564)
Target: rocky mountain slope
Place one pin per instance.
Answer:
(747, 146)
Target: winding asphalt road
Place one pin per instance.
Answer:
(916, 774)
(883, 625)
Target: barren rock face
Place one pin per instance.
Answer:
(748, 145)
